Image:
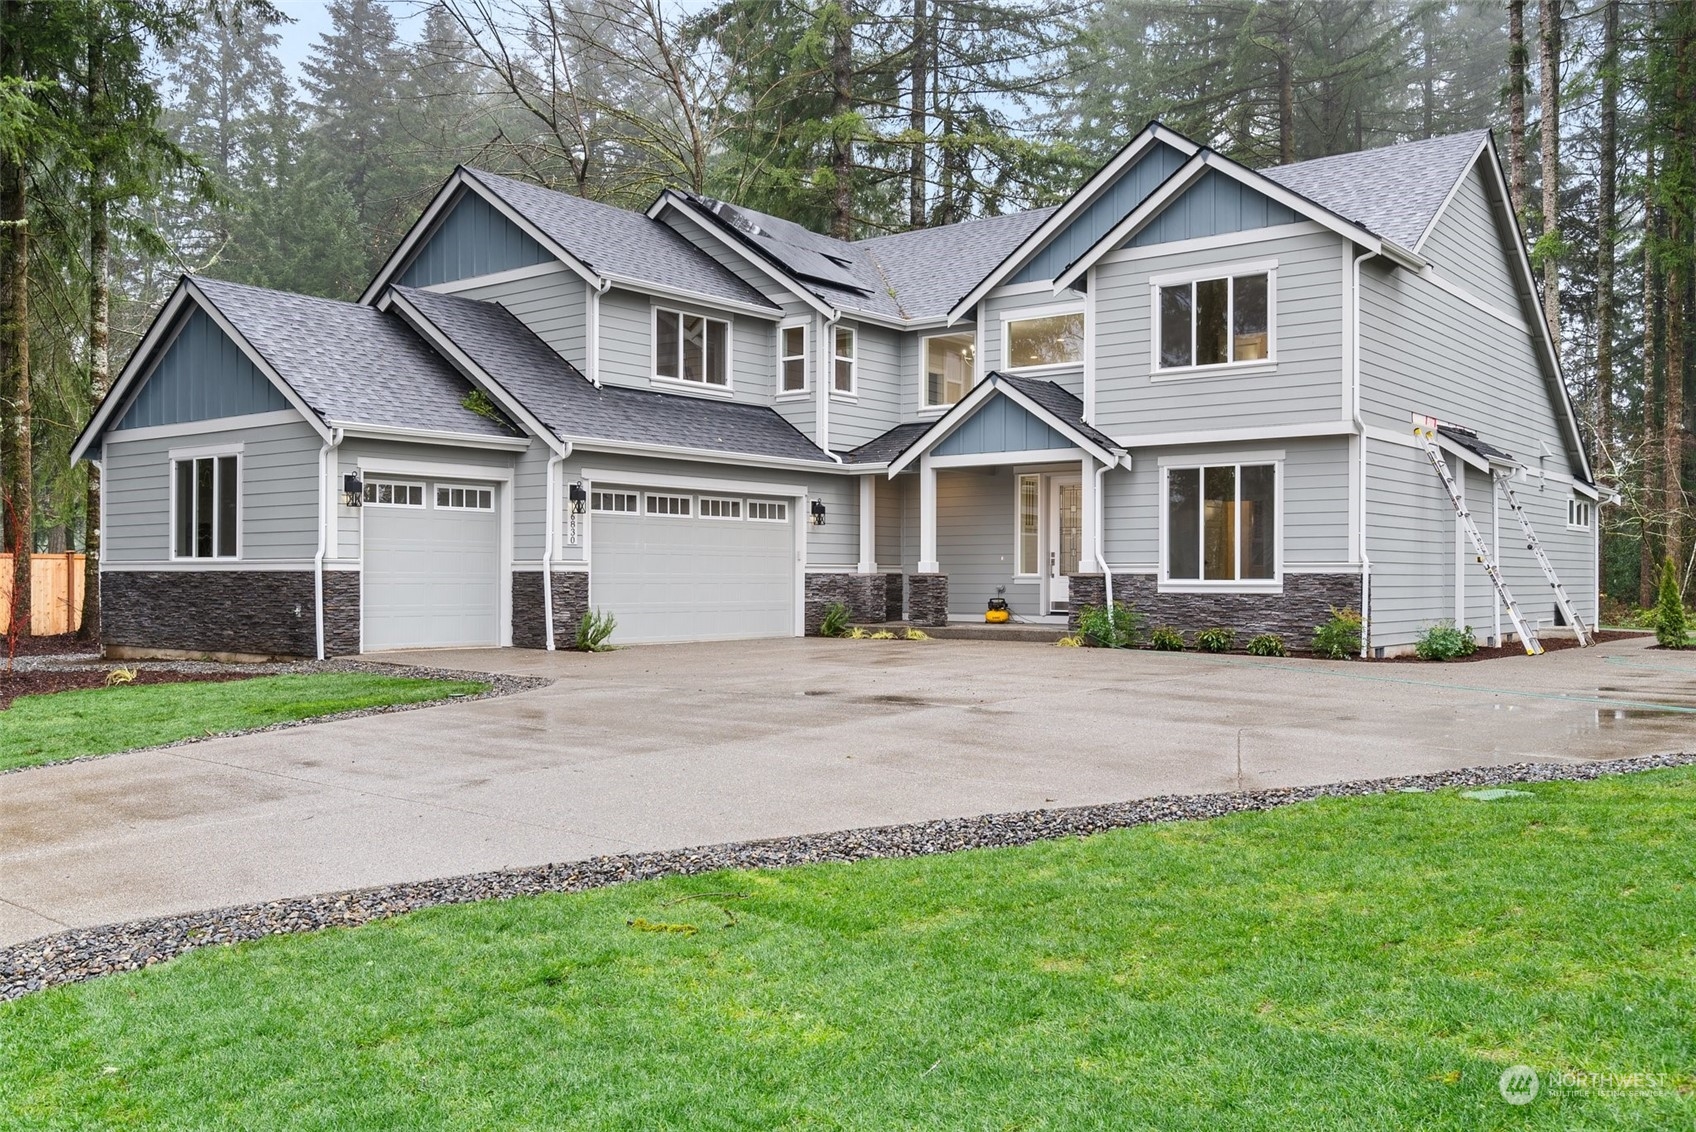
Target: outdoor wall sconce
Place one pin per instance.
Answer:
(578, 497)
(818, 513)
(353, 491)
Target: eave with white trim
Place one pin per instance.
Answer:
(962, 411)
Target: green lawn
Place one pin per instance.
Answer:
(99, 721)
(1361, 963)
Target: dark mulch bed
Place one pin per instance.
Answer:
(1550, 644)
(64, 644)
(35, 683)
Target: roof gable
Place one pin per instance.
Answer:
(1213, 205)
(471, 238)
(202, 375)
(1000, 425)
(1125, 192)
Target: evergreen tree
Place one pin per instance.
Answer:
(1671, 627)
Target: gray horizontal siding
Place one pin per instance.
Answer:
(553, 306)
(202, 376)
(1307, 384)
(626, 346)
(472, 239)
(891, 504)
(1469, 247)
(975, 509)
(279, 509)
(879, 388)
(998, 310)
(1094, 222)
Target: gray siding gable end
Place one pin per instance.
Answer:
(1215, 205)
(1000, 425)
(473, 239)
(201, 376)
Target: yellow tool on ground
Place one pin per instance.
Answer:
(997, 611)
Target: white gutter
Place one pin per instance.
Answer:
(326, 512)
(551, 527)
(1360, 431)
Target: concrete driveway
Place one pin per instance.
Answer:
(671, 746)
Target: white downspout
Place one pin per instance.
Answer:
(551, 536)
(1101, 541)
(1360, 431)
(326, 515)
(592, 331)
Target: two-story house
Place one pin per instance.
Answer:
(1192, 380)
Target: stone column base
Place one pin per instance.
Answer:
(927, 599)
(529, 621)
(869, 597)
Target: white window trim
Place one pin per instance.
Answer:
(1018, 534)
(396, 481)
(1031, 314)
(654, 312)
(1589, 512)
(1274, 584)
(782, 503)
(180, 455)
(852, 392)
(805, 327)
(631, 492)
(701, 508)
(1268, 364)
(689, 501)
(971, 378)
(437, 488)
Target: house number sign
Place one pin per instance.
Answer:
(571, 528)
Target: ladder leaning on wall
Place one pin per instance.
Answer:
(1527, 635)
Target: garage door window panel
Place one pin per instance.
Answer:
(767, 511)
(615, 502)
(465, 498)
(391, 493)
(670, 506)
(715, 507)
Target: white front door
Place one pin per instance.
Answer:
(1065, 536)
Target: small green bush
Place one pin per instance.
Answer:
(1443, 641)
(1119, 631)
(1166, 639)
(835, 622)
(1267, 644)
(1217, 639)
(593, 630)
(1671, 626)
(1339, 637)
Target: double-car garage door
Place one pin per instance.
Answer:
(676, 565)
(432, 564)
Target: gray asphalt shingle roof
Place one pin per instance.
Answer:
(884, 448)
(559, 396)
(1394, 192)
(352, 364)
(616, 241)
(1061, 402)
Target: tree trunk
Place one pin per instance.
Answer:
(1549, 111)
(917, 117)
(1606, 219)
(1678, 198)
(99, 329)
(1649, 441)
(17, 488)
(1516, 107)
(842, 139)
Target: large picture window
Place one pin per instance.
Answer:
(1215, 322)
(949, 363)
(690, 347)
(792, 359)
(1048, 340)
(1221, 523)
(206, 503)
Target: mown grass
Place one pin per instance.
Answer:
(101, 721)
(1361, 963)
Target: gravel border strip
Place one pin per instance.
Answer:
(79, 955)
(500, 684)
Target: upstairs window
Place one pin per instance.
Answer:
(1221, 523)
(691, 347)
(206, 505)
(949, 361)
(1046, 340)
(1215, 322)
(792, 359)
(842, 380)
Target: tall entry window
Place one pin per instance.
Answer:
(948, 363)
(1221, 523)
(1030, 519)
(206, 505)
(1215, 322)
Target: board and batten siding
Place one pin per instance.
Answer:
(203, 375)
(1315, 488)
(473, 238)
(1086, 228)
(279, 492)
(1214, 205)
(354, 449)
(553, 305)
(1307, 383)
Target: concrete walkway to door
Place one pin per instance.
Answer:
(672, 746)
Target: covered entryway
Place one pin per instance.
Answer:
(676, 565)
(432, 563)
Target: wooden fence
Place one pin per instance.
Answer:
(55, 593)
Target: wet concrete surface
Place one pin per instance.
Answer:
(672, 746)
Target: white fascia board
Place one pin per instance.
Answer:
(471, 371)
(1317, 430)
(206, 425)
(431, 436)
(382, 465)
(657, 290)
(670, 200)
(165, 322)
(1086, 194)
(1164, 193)
(693, 483)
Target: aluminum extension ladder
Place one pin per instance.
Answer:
(1536, 548)
(1527, 635)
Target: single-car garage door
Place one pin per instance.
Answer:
(432, 564)
(681, 566)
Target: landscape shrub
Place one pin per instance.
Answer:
(1339, 637)
(1217, 639)
(1444, 641)
(1267, 644)
(1671, 625)
(1119, 631)
(835, 621)
(915, 635)
(1166, 639)
(593, 629)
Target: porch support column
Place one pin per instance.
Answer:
(1090, 532)
(927, 517)
(868, 524)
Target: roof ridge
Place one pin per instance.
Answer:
(1410, 143)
